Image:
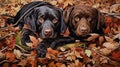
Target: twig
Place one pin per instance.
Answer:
(4, 61)
(9, 61)
(7, 36)
(22, 49)
(4, 49)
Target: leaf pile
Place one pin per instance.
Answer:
(96, 51)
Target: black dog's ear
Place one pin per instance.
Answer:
(30, 21)
(63, 25)
(66, 14)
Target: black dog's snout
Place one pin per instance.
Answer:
(47, 31)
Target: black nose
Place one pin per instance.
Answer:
(47, 32)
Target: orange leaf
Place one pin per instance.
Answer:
(34, 41)
(52, 64)
(10, 56)
(10, 42)
(116, 55)
(51, 51)
(108, 19)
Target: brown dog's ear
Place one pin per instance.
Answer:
(66, 14)
(100, 21)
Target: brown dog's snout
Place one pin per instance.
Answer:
(83, 29)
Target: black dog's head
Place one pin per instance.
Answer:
(46, 20)
(49, 21)
(83, 20)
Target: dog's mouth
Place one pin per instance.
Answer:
(48, 33)
(82, 33)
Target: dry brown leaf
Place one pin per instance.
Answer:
(105, 51)
(101, 40)
(71, 58)
(116, 31)
(108, 39)
(68, 2)
(92, 37)
(58, 64)
(35, 41)
(60, 1)
(53, 2)
(116, 55)
(63, 65)
(51, 51)
(43, 60)
(32, 61)
(52, 64)
(17, 53)
(10, 56)
(23, 63)
(77, 63)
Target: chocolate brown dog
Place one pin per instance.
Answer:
(83, 20)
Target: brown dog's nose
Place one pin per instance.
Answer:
(83, 29)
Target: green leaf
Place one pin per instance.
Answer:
(88, 52)
(18, 42)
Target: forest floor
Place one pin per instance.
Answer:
(99, 51)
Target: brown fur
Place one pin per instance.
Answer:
(83, 20)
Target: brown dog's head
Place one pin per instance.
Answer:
(83, 20)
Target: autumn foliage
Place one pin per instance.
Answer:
(97, 51)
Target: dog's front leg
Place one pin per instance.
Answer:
(25, 36)
(61, 41)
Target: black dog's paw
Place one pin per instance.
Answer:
(26, 33)
(41, 50)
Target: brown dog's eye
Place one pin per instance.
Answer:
(41, 19)
(54, 20)
(89, 18)
(77, 19)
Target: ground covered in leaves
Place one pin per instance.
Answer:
(97, 51)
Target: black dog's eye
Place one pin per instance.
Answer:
(41, 19)
(54, 20)
(77, 19)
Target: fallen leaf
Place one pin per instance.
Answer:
(10, 56)
(51, 51)
(17, 53)
(92, 37)
(11, 42)
(34, 41)
(116, 55)
(88, 53)
(60, 1)
(53, 2)
(23, 63)
(52, 64)
(59, 64)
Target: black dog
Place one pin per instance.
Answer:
(43, 19)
